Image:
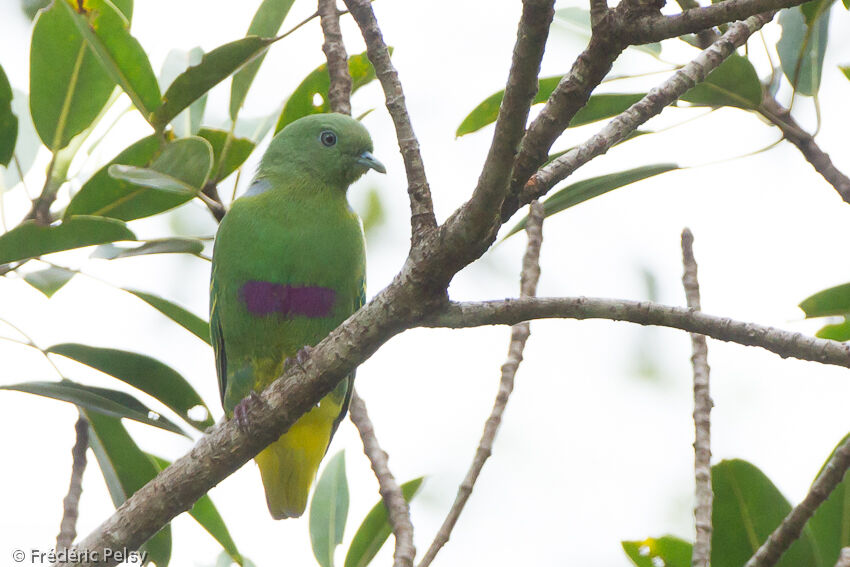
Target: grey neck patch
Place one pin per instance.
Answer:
(257, 187)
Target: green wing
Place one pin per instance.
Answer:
(349, 381)
(217, 337)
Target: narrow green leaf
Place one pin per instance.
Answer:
(101, 400)
(49, 280)
(830, 524)
(375, 529)
(266, 23)
(255, 129)
(107, 32)
(845, 68)
(329, 510)
(8, 121)
(602, 106)
(214, 67)
(832, 301)
(747, 508)
(175, 245)
(587, 189)
(174, 177)
(31, 239)
(836, 331)
(206, 514)
(126, 469)
(801, 49)
(237, 152)
(669, 551)
(182, 317)
(99, 194)
(733, 83)
(143, 372)
(302, 102)
(814, 9)
(188, 122)
(68, 87)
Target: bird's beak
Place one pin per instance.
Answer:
(371, 162)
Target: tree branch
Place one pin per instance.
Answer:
(339, 91)
(792, 526)
(422, 217)
(701, 556)
(519, 335)
(398, 512)
(482, 208)
(652, 104)
(511, 311)
(843, 558)
(71, 503)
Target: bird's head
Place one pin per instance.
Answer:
(334, 148)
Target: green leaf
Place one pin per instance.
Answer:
(801, 49)
(107, 32)
(375, 529)
(101, 400)
(747, 508)
(49, 280)
(214, 67)
(174, 177)
(733, 83)
(174, 245)
(188, 122)
(102, 193)
(374, 214)
(836, 331)
(266, 23)
(598, 107)
(143, 372)
(672, 551)
(182, 317)
(830, 522)
(845, 68)
(329, 510)
(8, 121)
(587, 189)
(31, 239)
(301, 102)
(206, 514)
(126, 469)
(832, 301)
(68, 87)
(238, 151)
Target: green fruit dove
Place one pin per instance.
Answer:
(288, 267)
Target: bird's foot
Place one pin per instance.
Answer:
(300, 359)
(242, 411)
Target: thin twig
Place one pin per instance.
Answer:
(701, 556)
(792, 526)
(651, 105)
(71, 503)
(422, 219)
(339, 91)
(398, 511)
(519, 335)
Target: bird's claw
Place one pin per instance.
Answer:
(300, 359)
(241, 413)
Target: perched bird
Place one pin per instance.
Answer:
(288, 267)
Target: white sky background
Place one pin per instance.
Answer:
(591, 452)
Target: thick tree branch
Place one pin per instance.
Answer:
(398, 511)
(701, 556)
(792, 526)
(339, 91)
(519, 335)
(650, 105)
(511, 311)
(71, 503)
(482, 209)
(421, 206)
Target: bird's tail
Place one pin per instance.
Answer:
(288, 466)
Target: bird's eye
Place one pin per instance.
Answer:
(328, 138)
